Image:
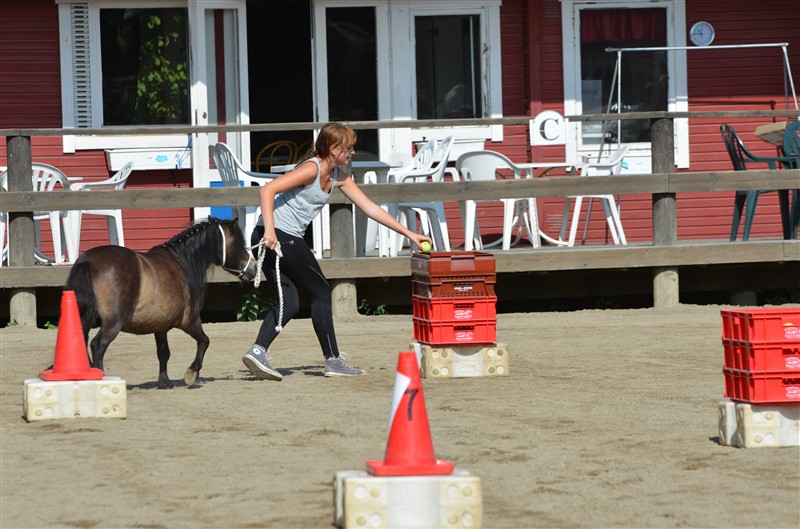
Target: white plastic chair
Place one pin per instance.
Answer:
(521, 212)
(113, 216)
(431, 214)
(48, 178)
(233, 174)
(3, 230)
(419, 162)
(605, 166)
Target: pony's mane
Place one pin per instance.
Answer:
(196, 248)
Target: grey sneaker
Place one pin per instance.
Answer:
(337, 367)
(257, 361)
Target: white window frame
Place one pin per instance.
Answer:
(404, 83)
(71, 84)
(677, 96)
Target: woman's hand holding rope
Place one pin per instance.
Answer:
(262, 252)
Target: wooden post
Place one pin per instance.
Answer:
(22, 304)
(343, 291)
(666, 288)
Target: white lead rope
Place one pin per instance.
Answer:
(262, 252)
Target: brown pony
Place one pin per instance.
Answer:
(153, 292)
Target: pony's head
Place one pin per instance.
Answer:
(235, 257)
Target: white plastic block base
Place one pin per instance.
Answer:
(727, 423)
(460, 361)
(407, 502)
(759, 425)
(770, 425)
(43, 400)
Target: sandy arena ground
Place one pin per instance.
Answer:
(609, 419)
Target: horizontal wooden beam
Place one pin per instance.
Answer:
(23, 201)
(389, 124)
(548, 259)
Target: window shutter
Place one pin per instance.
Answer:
(81, 66)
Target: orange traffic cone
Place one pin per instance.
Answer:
(409, 451)
(71, 360)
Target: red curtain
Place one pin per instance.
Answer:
(631, 25)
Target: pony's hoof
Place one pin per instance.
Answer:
(164, 382)
(190, 377)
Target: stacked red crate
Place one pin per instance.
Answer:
(762, 355)
(453, 298)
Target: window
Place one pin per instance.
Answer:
(649, 80)
(448, 67)
(455, 64)
(643, 80)
(145, 67)
(124, 64)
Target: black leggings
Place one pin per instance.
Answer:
(299, 269)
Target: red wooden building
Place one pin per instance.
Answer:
(67, 63)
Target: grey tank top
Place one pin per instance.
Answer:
(296, 208)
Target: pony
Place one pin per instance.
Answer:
(155, 291)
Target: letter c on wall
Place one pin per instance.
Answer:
(548, 128)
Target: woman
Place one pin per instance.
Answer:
(288, 205)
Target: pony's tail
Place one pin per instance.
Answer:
(80, 281)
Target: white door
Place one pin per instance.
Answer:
(352, 67)
(219, 93)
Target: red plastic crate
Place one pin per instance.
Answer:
(455, 332)
(762, 324)
(465, 309)
(454, 287)
(452, 264)
(761, 356)
(771, 387)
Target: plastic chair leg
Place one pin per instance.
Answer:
(588, 218)
(529, 219)
(57, 230)
(436, 225)
(794, 215)
(472, 237)
(316, 228)
(749, 212)
(562, 234)
(738, 206)
(576, 215)
(115, 235)
(508, 224)
(610, 220)
(3, 249)
(249, 225)
(786, 216)
(371, 237)
(326, 227)
(615, 216)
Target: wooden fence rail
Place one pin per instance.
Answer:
(664, 257)
(629, 184)
(346, 269)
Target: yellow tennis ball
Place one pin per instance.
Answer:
(425, 247)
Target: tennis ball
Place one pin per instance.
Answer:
(425, 247)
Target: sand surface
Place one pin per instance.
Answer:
(608, 419)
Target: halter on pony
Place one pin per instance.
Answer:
(243, 271)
